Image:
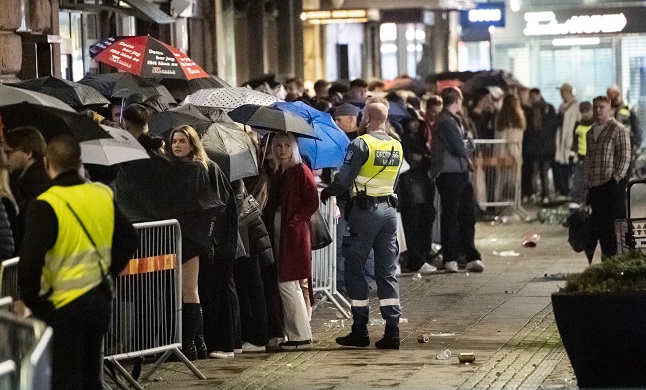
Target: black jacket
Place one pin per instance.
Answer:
(41, 233)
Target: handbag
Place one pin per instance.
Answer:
(248, 209)
(320, 236)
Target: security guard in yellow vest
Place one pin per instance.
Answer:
(75, 241)
(626, 116)
(370, 170)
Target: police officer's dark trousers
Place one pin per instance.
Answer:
(373, 228)
(79, 328)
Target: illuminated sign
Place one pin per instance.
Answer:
(483, 16)
(340, 16)
(545, 23)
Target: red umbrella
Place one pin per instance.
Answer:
(145, 56)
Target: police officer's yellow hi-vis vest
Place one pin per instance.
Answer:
(72, 264)
(377, 180)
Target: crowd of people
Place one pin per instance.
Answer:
(246, 283)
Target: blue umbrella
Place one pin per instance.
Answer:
(329, 151)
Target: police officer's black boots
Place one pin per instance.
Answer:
(390, 340)
(357, 338)
(190, 313)
(200, 346)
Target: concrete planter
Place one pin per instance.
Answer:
(604, 335)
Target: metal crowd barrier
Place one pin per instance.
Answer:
(146, 315)
(9, 278)
(496, 175)
(25, 356)
(324, 264)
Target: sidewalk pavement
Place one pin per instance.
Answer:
(502, 315)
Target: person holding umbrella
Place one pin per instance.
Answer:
(371, 169)
(293, 199)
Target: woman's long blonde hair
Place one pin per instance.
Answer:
(197, 154)
(296, 154)
(5, 189)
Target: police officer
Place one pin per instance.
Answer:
(627, 117)
(75, 239)
(370, 171)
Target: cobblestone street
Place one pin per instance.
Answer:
(503, 316)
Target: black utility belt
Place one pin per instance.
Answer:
(363, 201)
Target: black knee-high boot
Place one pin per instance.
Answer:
(200, 346)
(190, 317)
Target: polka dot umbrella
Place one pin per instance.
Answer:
(229, 98)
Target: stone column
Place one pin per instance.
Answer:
(256, 38)
(225, 41)
(10, 47)
(290, 38)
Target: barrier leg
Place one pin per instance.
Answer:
(336, 304)
(158, 363)
(126, 375)
(110, 373)
(188, 363)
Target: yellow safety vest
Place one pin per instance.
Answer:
(72, 264)
(581, 131)
(379, 172)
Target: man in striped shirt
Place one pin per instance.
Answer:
(606, 166)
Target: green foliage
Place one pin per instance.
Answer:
(620, 273)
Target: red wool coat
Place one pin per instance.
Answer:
(299, 201)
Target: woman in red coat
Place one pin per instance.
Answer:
(294, 197)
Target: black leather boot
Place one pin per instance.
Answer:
(390, 339)
(200, 346)
(190, 313)
(357, 338)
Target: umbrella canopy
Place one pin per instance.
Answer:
(120, 147)
(74, 94)
(123, 85)
(187, 114)
(229, 98)
(52, 121)
(147, 57)
(490, 78)
(272, 119)
(232, 149)
(329, 150)
(180, 89)
(11, 95)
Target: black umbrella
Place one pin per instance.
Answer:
(123, 85)
(75, 94)
(188, 114)
(272, 119)
(182, 88)
(268, 78)
(490, 78)
(51, 121)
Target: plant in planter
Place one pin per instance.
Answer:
(601, 316)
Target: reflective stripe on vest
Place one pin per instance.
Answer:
(378, 183)
(72, 264)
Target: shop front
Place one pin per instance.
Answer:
(591, 49)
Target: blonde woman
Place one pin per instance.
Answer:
(8, 211)
(216, 277)
(293, 198)
(510, 126)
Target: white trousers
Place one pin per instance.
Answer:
(296, 321)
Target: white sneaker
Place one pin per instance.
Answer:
(221, 355)
(274, 342)
(451, 266)
(248, 347)
(475, 266)
(438, 262)
(427, 269)
(398, 270)
(237, 350)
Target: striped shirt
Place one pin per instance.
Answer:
(608, 154)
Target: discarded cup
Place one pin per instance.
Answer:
(506, 253)
(531, 241)
(443, 354)
(423, 338)
(466, 357)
